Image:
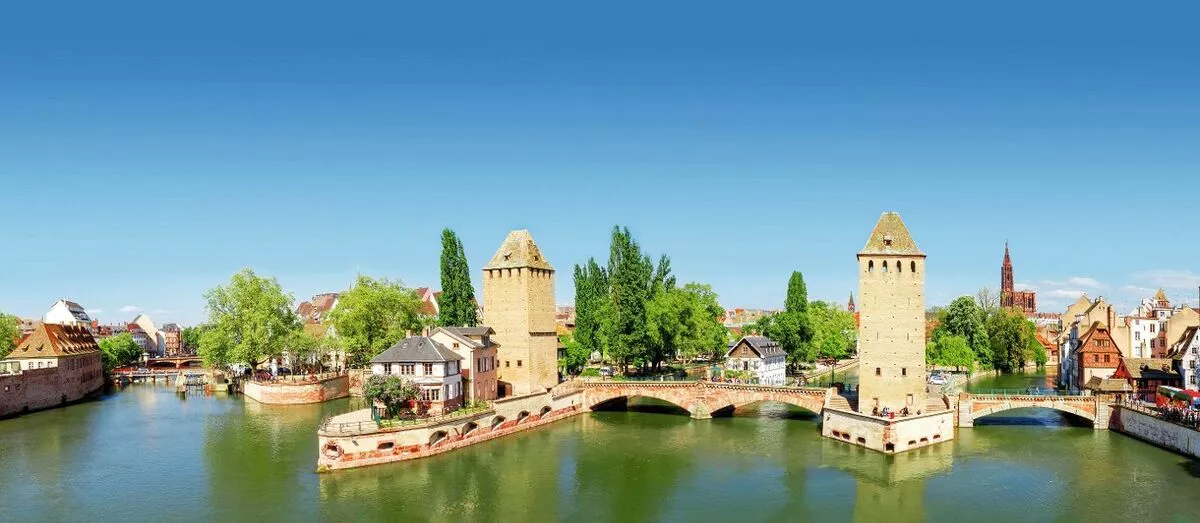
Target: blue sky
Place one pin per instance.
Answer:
(149, 150)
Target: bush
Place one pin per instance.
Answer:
(590, 372)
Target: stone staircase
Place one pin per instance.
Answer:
(840, 402)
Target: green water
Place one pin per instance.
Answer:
(144, 454)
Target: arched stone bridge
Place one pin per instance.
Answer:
(1094, 408)
(702, 399)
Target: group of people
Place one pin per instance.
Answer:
(890, 413)
(1183, 416)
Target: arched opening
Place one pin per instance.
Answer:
(899, 266)
(385, 445)
(331, 450)
(885, 267)
(438, 437)
(545, 410)
(521, 417)
(496, 421)
(647, 404)
(912, 267)
(469, 428)
(770, 409)
(889, 447)
(1031, 417)
(871, 266)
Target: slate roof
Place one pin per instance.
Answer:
(416, 349)
(49, 340)
(518, 250)
(1182, 344)
(765, 347)
(891, 237)
(471, 331)
(1099, 384)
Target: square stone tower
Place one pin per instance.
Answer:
(891, 290)
(518, 303)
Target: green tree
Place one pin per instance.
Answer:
(951, 351)
(374, 315)
(707, 337)
(630, 276)
(797, 294)
(576, 355)
(119, 350)
(392, 391)
(190, 337)
(792, 328)
(1011, 334)
(250, 321)
(963, 317)
(10, 330)
(833, 330)
(1037, 352)
(456, 306)
(591, 293)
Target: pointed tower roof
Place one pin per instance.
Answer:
(1161, 295)
(518, 250)
(891, 237)
(1007, 259)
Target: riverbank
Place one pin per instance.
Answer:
(1147, 425)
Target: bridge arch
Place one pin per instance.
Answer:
(607, 396)
(979, 406)
(808, 406)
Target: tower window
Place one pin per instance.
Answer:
(904, 371)
(885, 269)
(912, 266)
(899, 267)
(871, 266)
(878, 371)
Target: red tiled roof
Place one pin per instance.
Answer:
(52, 341)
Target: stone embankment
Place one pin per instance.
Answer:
(1145, 424)
(299, 390)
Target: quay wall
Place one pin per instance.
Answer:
(389, 445)
(888, 435)
(38, 389)
(284, 393)
(1160, 432)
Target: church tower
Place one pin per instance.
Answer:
(1006, 280)
(891, 291)
(518, 303)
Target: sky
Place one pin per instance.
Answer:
(149, 150)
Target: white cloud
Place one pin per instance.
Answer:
(1084, 281)
(1169, 278)
(131, 309)
(1063, 293)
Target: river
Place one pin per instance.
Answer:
(147, 454)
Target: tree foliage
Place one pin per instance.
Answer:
(576, 354)
(10, 330)
(833, 330)
(630, 275)
(964, 317)
(591, 294)
(394, 392)
(119, 350)
(1011, 335)
(988, 301)
(189, 337)
(684, 323)
(250, 321)
(792, 328)
(950, 350)
(456, 306)
(374, 315)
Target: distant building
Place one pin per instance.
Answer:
(54, 364)
(1185, 358)
(1025, 301)
(26, 326)
(474, 345)
(739, 317)
(172, 340)
(317, 309)
(432, 367)
(564, 319)
(1097, 355)
(153, 341)
(761, 357)
(1145, 375)
(66, 312)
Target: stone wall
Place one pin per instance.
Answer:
(891, 331)
(507, 416)
(1159, 432)
(38, 389)
(888, 435)
(283, 393)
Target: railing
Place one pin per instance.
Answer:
(301, 379)
(1183, 417)
(349, 428)
(1031, 391)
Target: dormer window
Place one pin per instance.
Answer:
(887, 240)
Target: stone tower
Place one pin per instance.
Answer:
(1006, 280)
(891, 292)
(518, 303)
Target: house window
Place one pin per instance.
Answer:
(1106, 360)
(387, 368)
(1137, 336)
(428, 369)
(878, 371)
(909, 400)
(431, 394)
(408, 369)
(1151, 327)
(1095, 358)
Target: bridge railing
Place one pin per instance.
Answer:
(1031, 391)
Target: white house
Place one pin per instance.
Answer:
(66, 312)
(1185, 354)
(1143, 330)
(433, 368)
(760, 356)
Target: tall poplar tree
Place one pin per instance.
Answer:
(792, 328)
(456, 306)
(630, 275)
(591, 291)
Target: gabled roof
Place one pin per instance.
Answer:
(890, 236)
(518, 250)
(416, 349)
(472, 331)
(1185, 340)
(1147, 368)
(49, 340)
(1099, 384)
(463, 334)
(763, 346)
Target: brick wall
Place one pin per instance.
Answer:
(45, 388)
